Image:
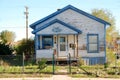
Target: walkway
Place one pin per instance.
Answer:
(58, 77)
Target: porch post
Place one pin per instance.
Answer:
(77, 45)
(74, 45)
(36, 45)
(57, 44)
(53, 63)
(67, 45)
(38, 41)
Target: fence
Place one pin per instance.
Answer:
(14, 64)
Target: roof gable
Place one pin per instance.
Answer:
(57, 21)
(64, 9)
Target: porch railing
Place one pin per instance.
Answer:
(44, 53)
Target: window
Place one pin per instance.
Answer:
(62, 39)
(62, 44)
(47, 42)
(92, 41)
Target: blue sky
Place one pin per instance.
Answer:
(12, 16)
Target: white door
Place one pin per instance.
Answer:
(62, 46)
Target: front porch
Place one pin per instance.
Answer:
(58, 36)
(60, 45)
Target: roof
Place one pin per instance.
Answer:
(66, 8)
(57, 21)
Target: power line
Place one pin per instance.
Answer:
(12, 27)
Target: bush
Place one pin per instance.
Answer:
(106, 65)
(80, 62)
(5, 49)
(42, 64)
(25, 46)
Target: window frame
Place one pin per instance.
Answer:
(88, 49)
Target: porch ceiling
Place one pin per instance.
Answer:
(56, 27)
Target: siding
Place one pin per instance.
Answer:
(86, 25)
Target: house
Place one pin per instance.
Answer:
(71, 30)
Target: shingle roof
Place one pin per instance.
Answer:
(57, 21)
(66, 8)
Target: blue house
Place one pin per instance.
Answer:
(71, 30)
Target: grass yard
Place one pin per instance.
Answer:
(13, 68)
(33, 71)
(95, 71)
(27, 69)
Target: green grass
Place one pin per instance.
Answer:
(96, 71)
(16, 71)
(27, 69)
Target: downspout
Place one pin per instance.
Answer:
(105, 42)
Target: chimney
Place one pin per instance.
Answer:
(58, 9)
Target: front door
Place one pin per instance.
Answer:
(62, 41)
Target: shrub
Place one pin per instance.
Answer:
(80, 62)
(5, 49)
(25, 46)
(106, 65)
(42, 64)
(3, 63)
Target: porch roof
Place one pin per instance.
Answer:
(57, 30)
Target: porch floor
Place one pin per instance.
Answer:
(63, 59)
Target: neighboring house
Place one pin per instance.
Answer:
(117, 47)
(70, 30)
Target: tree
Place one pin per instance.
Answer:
(7, 36)
(110, 33)
(107, 16)
(5, 49)
(25, 46)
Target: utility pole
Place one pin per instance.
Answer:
(26, 14)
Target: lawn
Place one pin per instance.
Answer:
(33, 71)
(27, 69)
(95, 71)
(13, 68)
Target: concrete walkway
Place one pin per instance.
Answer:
(58, 77)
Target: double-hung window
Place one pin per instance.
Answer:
(92, 43)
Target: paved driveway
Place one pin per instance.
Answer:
(58, 77)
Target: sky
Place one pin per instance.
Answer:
(12, 16)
